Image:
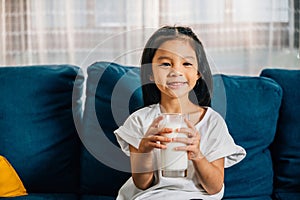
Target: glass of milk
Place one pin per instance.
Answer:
(174, 163)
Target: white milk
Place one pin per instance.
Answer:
(174, 163)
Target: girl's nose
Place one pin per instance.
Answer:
(175, 72)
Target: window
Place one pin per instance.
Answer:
(265, 11)
(240, 36)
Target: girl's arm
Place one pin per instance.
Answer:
(209, 174)
(141, 159)
(142, 168)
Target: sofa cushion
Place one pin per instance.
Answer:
(251, 198)
(250, 107)
(112, 93)
(37, 132)
(97, 197)
(47, 196)
(287, 195)
(286, 149)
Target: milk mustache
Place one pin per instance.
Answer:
(174, 163)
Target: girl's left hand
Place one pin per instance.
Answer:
(192, 141)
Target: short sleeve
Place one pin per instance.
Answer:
(130, 133)
(216, 142)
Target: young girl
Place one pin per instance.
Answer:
(176, 79)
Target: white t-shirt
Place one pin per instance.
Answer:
(216, 142)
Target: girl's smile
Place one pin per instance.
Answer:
(176, 84)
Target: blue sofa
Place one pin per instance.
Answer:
(56, 130)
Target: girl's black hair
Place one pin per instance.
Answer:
(203, 87)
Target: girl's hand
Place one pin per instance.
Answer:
(154, 137)
(192, 141)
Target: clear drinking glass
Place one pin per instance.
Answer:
(174, 163)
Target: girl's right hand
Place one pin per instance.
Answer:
(154, 137)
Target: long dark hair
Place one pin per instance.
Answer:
(201, 94)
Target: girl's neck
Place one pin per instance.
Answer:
(178, 106)
(195, 112)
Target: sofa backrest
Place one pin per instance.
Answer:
(249, 105)
(112, 93)
(40, 121)
(286, 146)
(37, 131)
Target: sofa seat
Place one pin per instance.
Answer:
(47, 196)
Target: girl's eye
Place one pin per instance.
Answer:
(164, 65)
(187, 64)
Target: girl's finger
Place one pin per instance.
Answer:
(166, 130)
(154, 127)
(157, 145)
(158, 138)
(189, 123)
(181, 148)
(187, 141)
(188, 131)
(188, 149)
(156, 121)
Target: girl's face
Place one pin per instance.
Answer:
(174, 67)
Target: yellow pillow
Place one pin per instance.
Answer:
(10, 183)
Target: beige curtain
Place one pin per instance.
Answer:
(240, 36)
